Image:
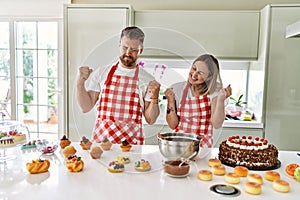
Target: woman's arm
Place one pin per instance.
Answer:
(171, 115)
(218, 107)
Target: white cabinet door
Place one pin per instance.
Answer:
(283, 83)
(91, 38)
(226, 34)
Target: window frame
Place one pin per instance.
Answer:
(13, 71)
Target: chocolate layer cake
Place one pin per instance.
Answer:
(252, 153)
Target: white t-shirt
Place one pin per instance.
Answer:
(178, 89)
(98, 77)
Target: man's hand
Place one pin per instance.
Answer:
(153, 89)
(84, 73)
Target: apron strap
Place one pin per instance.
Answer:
(184, 95)
(136, 74)
(110, 74)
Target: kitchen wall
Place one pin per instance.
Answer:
(202, 5)
(191, 4)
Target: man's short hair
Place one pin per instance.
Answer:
(134, 33)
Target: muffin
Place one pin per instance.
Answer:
(106, 145)
(125, 146)
(64, 141)
(85, 143)
(69, 151)
(96, 152)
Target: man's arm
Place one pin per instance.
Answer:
(151, 112)
(86, 99)
(151, 109)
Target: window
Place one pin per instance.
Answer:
(238, 74)
(4, 71)
(29, 63)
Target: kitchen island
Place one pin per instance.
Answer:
(96, 182)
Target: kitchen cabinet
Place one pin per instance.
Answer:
(91, 38)
(226, 34)
(282, 102)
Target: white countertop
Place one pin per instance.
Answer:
(95, 182)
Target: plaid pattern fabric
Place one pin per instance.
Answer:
(119, 111)
(194, 116)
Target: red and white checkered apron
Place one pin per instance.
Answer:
(119, 111)
(194, 116)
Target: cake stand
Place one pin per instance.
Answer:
(9, 153)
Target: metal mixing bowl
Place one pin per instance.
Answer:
(174, 146)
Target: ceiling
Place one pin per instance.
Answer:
(192, 4)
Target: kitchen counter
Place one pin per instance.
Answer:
(95, 182)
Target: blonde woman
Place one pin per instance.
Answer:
(198, 104)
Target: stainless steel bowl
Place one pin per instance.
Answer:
(174, 146)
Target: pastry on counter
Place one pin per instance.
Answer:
(29, 145)
(142, 165)
(85, 143)
(272, 175)
(256, 178)
(297, 174)
(253, 188)
(281, 186)
(64, 141)
(115, 167)
(241, 171)
(69, 151)
(205, 175)
(38, 166)
(214, 161)
(125, 146)
(123, 159)
(11, 138)
(232, 178)
(218, 170)
(96, 152)
(290, 169)
(106, 145)
(74, 164)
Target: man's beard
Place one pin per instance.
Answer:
(128, 62)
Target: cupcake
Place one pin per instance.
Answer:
(69, 151)
(96, 152)
(85, 143)
(64, 141)
(125, 146)
(106, 145)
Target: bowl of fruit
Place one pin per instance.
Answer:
(47, 147)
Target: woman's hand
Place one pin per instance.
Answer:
(225, 93)
(170, 95)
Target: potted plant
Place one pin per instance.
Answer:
(237, 104)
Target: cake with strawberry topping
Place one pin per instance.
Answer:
(255, 153)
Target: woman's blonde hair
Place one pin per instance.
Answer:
(213, 82)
